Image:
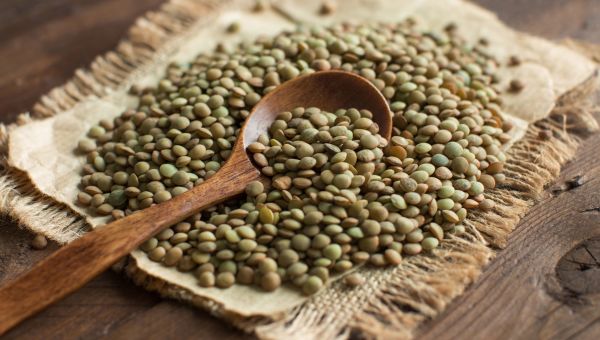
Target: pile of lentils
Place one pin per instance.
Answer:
(340, 195)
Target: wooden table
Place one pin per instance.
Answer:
(519, 295)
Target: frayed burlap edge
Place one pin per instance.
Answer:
(394, 301)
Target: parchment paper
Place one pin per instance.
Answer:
(44, 149)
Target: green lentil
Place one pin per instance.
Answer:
(225, 280)
(430, 243)
(254, 188)
(206, 279)
(270, 281)
(354, 280)
(168, 170)
(312, 285)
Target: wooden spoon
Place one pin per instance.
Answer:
(80, 261)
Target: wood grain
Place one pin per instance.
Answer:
(43, 42)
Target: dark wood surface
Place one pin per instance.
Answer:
(546, 284)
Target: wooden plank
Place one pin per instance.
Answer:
(182, 322)
(43, 42)
(556, 19)
(519, 295)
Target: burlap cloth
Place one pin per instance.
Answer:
(38, 184)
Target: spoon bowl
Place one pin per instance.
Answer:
(80, 261)
(327, 90)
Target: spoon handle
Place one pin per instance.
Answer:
(80, 261)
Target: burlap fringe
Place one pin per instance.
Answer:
(395, 301)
